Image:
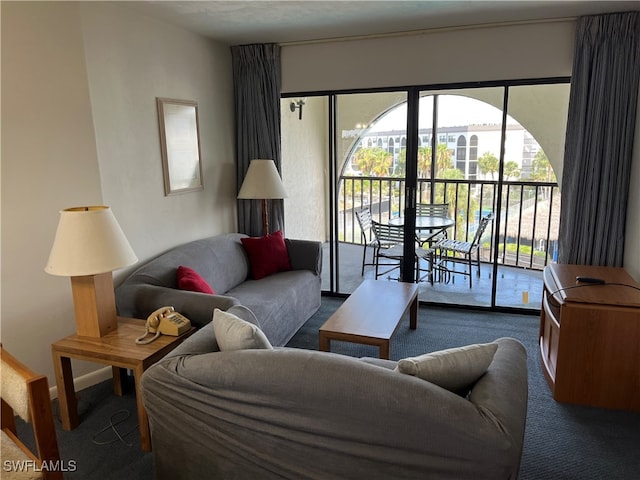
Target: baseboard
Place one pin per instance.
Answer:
(86, 381)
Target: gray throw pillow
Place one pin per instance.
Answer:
(233, 333)
(454, 368)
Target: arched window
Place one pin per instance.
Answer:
(461, 154)
(473, 148)
(462, 139)
(473, 157)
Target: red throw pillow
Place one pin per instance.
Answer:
(189, 279)
(267, 255)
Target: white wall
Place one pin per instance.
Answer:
(304, 169)
(79, 126)
(131, 60)
(49, 162)
(444, 56)
(439, 56)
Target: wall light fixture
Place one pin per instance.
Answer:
(297, 104)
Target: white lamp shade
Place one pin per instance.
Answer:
(262, 181)
(88, 241)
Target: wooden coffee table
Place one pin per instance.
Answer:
(371, 315)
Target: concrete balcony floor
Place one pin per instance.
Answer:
(512, 282)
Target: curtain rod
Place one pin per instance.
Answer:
(426, 31)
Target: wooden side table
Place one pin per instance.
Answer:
(117, 349)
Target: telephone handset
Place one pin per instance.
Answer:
(165, 321)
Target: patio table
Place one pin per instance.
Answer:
(436, 224)
(426, 222)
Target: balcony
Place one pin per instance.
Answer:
(514, 250)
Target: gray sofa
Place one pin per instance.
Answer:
(302, 414)
(282, 302)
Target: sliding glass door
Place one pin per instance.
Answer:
(490, 152)
(530, 197)
(460, 130)
(370, 141)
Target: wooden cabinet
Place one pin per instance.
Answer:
(590, 337)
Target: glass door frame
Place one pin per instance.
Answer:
(411, 174)
(408, 273)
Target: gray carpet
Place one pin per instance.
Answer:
(561, 441)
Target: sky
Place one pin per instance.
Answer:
(454, 110)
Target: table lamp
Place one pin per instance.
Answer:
(262, 182)
(89, 244)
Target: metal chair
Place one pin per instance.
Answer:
(389, 246)
(451, 250)
(368, 236)
(428, 255)
(431, 210)
(26, 394)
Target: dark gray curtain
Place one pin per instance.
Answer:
(257, 82)
(599, 140)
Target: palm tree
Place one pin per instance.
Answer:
(489, 163)
(511, 170)
(541, 169)
(424, 162)
(443, 160)
(400, 169)
(373, 161)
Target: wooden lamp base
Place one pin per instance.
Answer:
(265, 217)
(94, 304)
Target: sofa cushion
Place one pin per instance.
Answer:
(267, 254)
(454, 368)
(282, 302)
(189, 279)
(233, 333)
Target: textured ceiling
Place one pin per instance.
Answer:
(240, 22)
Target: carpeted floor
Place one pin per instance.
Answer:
(561, 441)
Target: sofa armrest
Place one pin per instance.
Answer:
(305, 255)
(201, 342)
(141, 300)
(501, 394)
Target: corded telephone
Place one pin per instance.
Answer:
(165, 321)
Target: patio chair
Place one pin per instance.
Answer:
(26, 394)
(368, 237)
(431, 210)
(429, 256)
(389, 246)
(451, 250)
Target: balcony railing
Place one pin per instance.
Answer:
(527, 220)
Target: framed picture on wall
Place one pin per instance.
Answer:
(180, 145)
